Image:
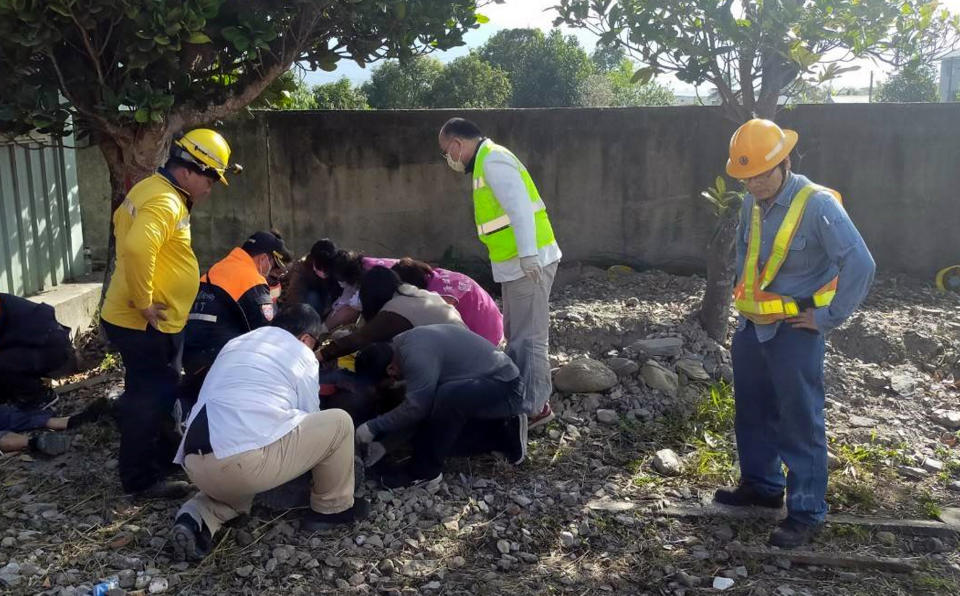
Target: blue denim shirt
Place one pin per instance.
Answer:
(826, 245)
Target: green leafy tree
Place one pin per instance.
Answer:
(755, 51)
(286, 92)
(914, 83)
(341, 95)
(402, 85)
(544, 70)
(616, 88)
(132, 73)
(608, 57)
(470, 82)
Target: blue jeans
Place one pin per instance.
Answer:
(16, 420)
(779, 417)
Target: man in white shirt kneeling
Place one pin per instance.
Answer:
(256, 425)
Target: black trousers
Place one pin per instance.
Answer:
(148, 443)
(469, 418)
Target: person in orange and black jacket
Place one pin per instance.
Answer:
(234, 298)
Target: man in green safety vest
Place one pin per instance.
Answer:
(512, 222)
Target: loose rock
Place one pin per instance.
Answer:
(607, 416)
(663, 346)
(584, 375)
(658, 377)
(667, 463)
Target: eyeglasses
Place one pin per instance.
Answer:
(444, 152)
(760, 177)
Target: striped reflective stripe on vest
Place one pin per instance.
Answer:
(499, 223)
(751, 297)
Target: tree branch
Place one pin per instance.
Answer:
(94, 56)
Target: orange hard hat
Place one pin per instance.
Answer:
(757, 147)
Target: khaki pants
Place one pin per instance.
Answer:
(323, 443)
(526, 324)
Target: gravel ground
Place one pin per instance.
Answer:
(639, 432)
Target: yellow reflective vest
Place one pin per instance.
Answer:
(750, 295)
(493, 222)
(155, 261)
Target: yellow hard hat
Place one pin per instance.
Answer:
(206, 149)
(757, 147)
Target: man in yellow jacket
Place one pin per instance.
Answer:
(148, 301)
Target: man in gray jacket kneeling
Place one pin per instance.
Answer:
(463, 397)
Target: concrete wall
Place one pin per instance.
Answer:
(620, 184)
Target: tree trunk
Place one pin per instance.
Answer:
(715, 309)
(129, 160)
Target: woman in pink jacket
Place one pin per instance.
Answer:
(476, 307)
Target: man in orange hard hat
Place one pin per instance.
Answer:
(148, 300)
(804, 269)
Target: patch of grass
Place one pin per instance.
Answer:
(928, 505)
(712, 436)
(860, 459)
(936, 584)
(852, 493)
(644, 480)
(111, 361)
(716, 410)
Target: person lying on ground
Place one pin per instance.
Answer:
(390, 307)
(347, 269)
(463, 397)
(33, 345)
(258, 425)
(14, 422)
(477, 308)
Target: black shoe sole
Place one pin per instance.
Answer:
(185, 544)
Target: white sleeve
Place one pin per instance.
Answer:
(502, 175)
(349, 297)
(308, 385)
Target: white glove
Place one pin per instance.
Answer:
(531, 268)
(363, 434)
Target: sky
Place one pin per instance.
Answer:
(539, 15)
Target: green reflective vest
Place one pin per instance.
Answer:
(493, 223)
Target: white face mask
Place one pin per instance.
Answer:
(456, 166)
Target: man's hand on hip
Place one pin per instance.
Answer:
(154, 314)
(531, 268)
(805, 320)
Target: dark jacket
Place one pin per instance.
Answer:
(303, 286)
(233, 299)
(31, 339)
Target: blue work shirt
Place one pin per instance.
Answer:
(826, 245)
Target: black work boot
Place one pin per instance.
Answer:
(792, 533)
(403, 476)
(313, 521)
(746, 495)
(165, 489)
(191, 542)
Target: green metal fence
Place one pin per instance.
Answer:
(41, 241)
